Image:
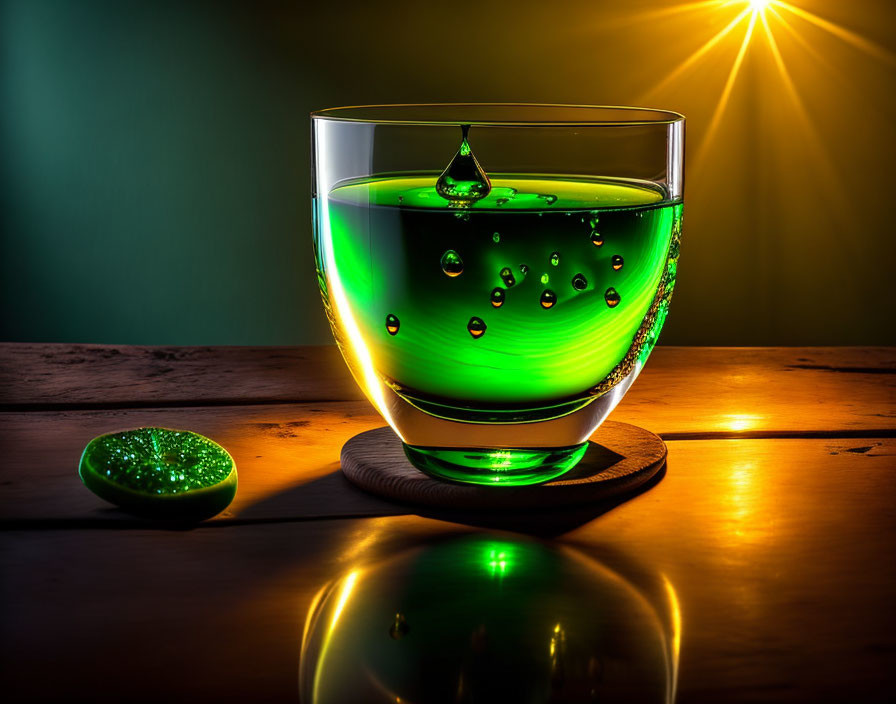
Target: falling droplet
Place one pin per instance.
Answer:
(597, 239)
(497, 297)
(617, 262)
(496, 237)
(612, 297)
(463, 181)
(545, 278)
(507, 277)
(579, 282)
(593, 221)
(549, 199)
(555, 258)
(399, 628)
(524, 269)
(392, 324)
(548, 298)
(476, 327)
(452, 264)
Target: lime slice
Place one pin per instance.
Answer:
(160, 473)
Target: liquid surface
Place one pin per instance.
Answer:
(533, 293)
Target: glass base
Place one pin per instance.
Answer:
(503, 467)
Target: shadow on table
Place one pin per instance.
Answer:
(333, 496)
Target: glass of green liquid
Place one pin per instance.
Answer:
(496, 275)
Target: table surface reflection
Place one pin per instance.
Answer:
(765, 550)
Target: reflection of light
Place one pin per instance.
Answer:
(675, 609)
(757, 6)
(343, 310)
(498, 559)
(347, 586)
(343, 597)
(740, 421)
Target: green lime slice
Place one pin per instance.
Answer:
(160, 473)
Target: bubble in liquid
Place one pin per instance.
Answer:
(549, 199)
(400, 199)
(452, 264)
(612, 297)
(501, 201)
(463, 181)
(507, 277)
(579, 282)
(545, 278)
(497, 297)
(476, 327)
(555, 258)
(617, 262)
(597, 239)
(399, 628)
(496, 237)
(548, 298)
(524, 269)
(392, 324)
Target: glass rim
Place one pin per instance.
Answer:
(602, 115)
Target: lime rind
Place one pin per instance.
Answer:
(160, 473)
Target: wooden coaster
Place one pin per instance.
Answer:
(621, 458)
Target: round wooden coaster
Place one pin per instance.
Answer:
(620, 458)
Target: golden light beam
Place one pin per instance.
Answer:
(696, 56)
(831, 179)
(726, 92)
(653, 15)
(846, 35)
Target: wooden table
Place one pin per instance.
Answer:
(774, 522)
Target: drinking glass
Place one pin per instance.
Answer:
(496, 275)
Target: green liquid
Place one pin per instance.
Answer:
(520, 307)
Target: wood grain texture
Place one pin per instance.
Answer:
(621, 458)
(683, 390)
(779, 553)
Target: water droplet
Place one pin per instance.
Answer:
(597, 239)
(545, 278)
(462, 215)
(507, 277)
(399, 628)
(555, 258)
(497, 297)
(617, 262)
(593, 221)
(612, 297)
(400, 199)
(579, 282)
(463, 181)
(452, 264)
(548, 298)
(549, 199)
(392, 324)
(501, 201)
(476, 327)
(524, 269)
(496, 237)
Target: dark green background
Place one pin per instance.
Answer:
(155, 157)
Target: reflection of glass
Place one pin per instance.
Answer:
(478, 619)
(495, 306)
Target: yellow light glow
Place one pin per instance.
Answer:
(347, 586)
(765, 16)
(675, 609)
